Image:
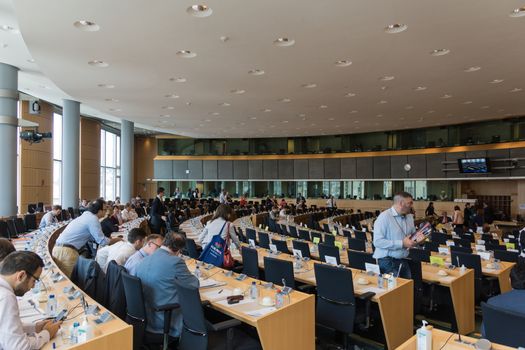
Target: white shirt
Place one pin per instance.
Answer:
(129, 215)
(47, 220)
(222, 198)
(120, 252)
(14, 335)
(330, 203)
(213, 228)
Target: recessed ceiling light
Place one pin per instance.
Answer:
(86, 26)
(171, 96)
(467, 102)
(283, 42)
(409, 107)
(285, 121)
(98, 63)
(253, 118)
(496, 81)
(224, 104)
(238, 91)
(323, 106)
(516, 90)
(224, 38)
(331, 118)
(440, 52)
(379, 116)
(431, 111)
(485, 107)
(215, 113)
(199, 11)
(395, 28)
(382, 102)
(207, 120)
(285, 100)
(343, 63)
(353, 112)
(387, 78)
(111, 100)
(420, 88)
(186, 54)
(472, 69)
(188, 103)
(350, 94)
(9, 29)
(256, 72)
(168, 107)
(519, 12)
(446, 96)
(165, 115)
(302, 115)
(309, 85)
(106, 86)
(267, 110)
(178, 80)
(115, 109)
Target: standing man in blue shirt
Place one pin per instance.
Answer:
(392, 231)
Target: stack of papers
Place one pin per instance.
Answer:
(260, 312)
(242, 302)
(217, 294)
(209, 282)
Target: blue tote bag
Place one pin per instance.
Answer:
(213, 253)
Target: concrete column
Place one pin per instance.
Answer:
(127, 139)
(8, 137)
(70, 154)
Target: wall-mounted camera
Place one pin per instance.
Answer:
(34, 136)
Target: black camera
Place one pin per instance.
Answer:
(33, 136)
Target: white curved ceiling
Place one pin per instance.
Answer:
(140, 39)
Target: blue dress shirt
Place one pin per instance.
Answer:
(81, 230)
(390, 229)
(134, 260)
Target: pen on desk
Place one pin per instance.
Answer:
(219, 292)
(54, 346)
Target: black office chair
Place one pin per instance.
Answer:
(347, 233)
(136, 315)
(462, 242)
(251, 234)
(293, 231)
(277, 270)
(191, 249)
(473, 261)
(304, 235)
(421, 295)
(250, 262)
(284, 230)
(30, 222)
(502, 326)
(439, 237)
(455, 248)
(11, 228)
(469, 237)
(360, 235)
(3, 229)
(419, 254)
(329, 250)
(200, 334)
(20, 226)
(316, 235)
(114, 290)
(336, 304)
(494, 247)
(264, 240)
(89, 277)
(326, 228)
(504, 255)
(281, 246)
(71, 212)
(431, 246)
(356, 244)
(329, 239)
(357, 260)
(303, 247)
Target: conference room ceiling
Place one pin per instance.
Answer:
(222, 71)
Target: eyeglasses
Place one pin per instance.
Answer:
(158, 246)
(31, 275)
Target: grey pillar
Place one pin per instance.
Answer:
(70, 153)
(8, 136)
(126, 160)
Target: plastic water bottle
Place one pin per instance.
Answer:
(279, 299)
(85, 331)
(73, 333)
(254, 292)
(197, 272)
(51, 309)
(380, 281)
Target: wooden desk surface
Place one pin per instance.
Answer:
(443, 340)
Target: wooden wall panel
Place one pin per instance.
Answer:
(89, 159)
(145, 151)
(36, 161)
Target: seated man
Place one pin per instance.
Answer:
(153, 242)
(18, 273)
(128, 213)
(121, 251)
(6, 248)
(50, 217)
(158, 273)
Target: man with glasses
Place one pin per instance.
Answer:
(121, 251)
(18, 274)
(153, 242)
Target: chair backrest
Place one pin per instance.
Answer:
(329, 250)
(357, 259)
(275, 270)
(304, 234)
(194, 333)
(457, 248)
(503, 327)
(191, 248)
(360, 235)
(284, 230)
(419, 254)
(462, 242)
(495, 246)
(20, 226)
(303, 247)
(264, 240)
(3, 229)
(439, 237)
(114, 290)
(30, 221)
(135, 309)
(335, 298)
(71, 212)
(281, 246)
(504, 255)
(326, 228)
(329, 239)
(318, 235)
(293, 231)
(347, 233)
(250, 262)
(251, 234)
(471, 261)
(356, 244)
(469, 237)
(11, 228)
(432, 246)
(417, 277)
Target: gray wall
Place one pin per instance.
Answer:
(431, 166)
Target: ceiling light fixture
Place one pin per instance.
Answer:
(516, 90)
(496, 81)
(165, 115)
(171, 96)
(238, 91)
(115, 110)
(467, 102)
(420, 88)
(472, 69)
(31, 60)
(445, 96)
(106, 86)
(199, 11)
(285, 100)
(98, 63)
(178, 80)
(186, 54)
(267, 110)
(395, 28)
(283, 42)
(343, 63)
(387, 78)
(215, 113)
(519, 12)
(256, 72)
(86, 26)
(350, 94)
(224, 104)
(309, 85)
(439, 52)
(111, 100)
(382, 102)
(323, 106)
(168, 107)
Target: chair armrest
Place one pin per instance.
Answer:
(205, 303)
(216, 327)
(167, 307)
(366, 296)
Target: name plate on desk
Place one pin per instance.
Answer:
(450, 243)
(251, 242)
(316, 240)
(339, 245)
(273, 248)
(436, 260)
(443, 250)
(372, 268)
(330, 260)
(480, 241)
(484, 255)
(480, 248)
(510, 245)
(298, 253)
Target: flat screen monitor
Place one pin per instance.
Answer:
(473, 165)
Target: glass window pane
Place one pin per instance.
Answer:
(421, 190)
(102, 148)
(387, 189)
(103, 182)
(57, 136)
(57, 182)
(110, 184)
(118, 151)
(110, 149)
(358, 189)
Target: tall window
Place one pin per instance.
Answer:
(418, 189)
(109, 165)
(387, 189)
(57, 158)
